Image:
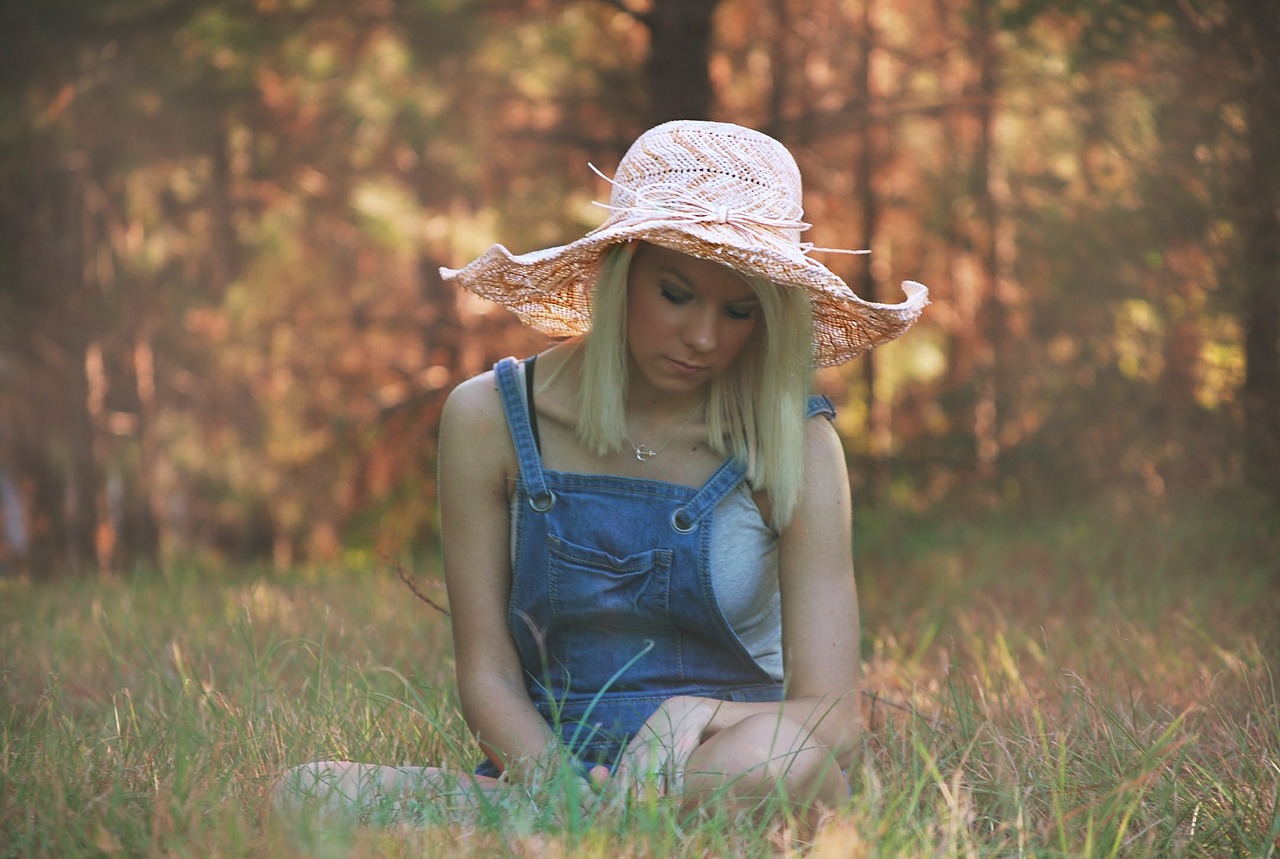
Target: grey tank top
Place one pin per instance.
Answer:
(744, 568)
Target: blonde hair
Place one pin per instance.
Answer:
(755, 411)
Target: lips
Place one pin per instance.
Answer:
(686, 368)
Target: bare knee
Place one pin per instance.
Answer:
(331, 789)
(762, 755)
(324, 786)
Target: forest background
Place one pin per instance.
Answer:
(223, 334)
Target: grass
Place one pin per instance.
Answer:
(1086, 684)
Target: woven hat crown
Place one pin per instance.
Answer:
(711, 172)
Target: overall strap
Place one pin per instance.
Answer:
(820, 404)
(686, 517)
(514, 405)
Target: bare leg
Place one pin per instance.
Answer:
(333, 789)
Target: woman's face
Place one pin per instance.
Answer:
(687, 319)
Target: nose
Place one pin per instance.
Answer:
(701, 332)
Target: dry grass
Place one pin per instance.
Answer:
(1081, 685)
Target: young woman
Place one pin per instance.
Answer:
(646, 528)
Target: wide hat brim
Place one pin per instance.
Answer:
(550, 289)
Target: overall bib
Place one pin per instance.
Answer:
(612, 607)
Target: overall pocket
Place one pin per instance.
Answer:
(591, 589)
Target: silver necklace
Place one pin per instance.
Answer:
(644, 453)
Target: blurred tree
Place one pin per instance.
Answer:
(220, 223)
(59, 229)
(1205, 77)
(1238, 39)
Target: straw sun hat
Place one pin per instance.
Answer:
(712, 190)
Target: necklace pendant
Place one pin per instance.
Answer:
(644, 453)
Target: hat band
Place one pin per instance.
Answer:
(671, 203)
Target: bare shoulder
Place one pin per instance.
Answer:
(473, 428)
(825, 467)
(821, 432)
(824, 510)
(826, 477)
(475, 399)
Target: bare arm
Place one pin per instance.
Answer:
(477, 463)
(820, 624)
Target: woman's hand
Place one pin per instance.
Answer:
(656, 757)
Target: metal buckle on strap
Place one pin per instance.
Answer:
(680, 522)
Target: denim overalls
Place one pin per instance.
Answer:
(612, 608)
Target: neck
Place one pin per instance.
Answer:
(659, 411)
(644, 403)
(652, 437)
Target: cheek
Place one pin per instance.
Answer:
(740, 335)
(645, 320)
(636, 321)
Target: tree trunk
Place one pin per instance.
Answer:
(991, 379)
(82, 485)
(779, 87)
(142, 517)
(225, 259)
(678, 66)
(1260, 229)
(1262, 362)
(879, 432)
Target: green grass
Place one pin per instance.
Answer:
(1086, 684)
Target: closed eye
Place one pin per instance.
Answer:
(675, 295)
